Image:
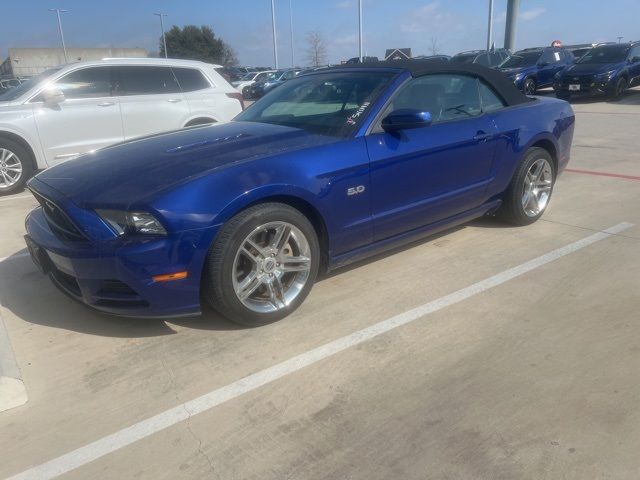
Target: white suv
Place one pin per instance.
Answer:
(81, 107)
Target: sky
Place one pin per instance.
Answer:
(455, 25)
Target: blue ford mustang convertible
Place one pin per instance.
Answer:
(329, 168)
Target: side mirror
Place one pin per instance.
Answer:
(404, 119)
(53, 96)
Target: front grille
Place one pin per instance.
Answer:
(59, 222)
(582, 80)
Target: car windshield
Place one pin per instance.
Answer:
(521, 59)
(17, 92)
(609, 54)
(331, 104)
(248, 76)
(467, 58)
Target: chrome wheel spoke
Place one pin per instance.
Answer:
(276, 293)
(249, 285)
(295, 264)
(281, 238)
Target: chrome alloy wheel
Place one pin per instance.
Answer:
(537, 187)
(271, 267)
(10, 168)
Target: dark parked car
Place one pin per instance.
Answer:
(605, 69)
(356, 60)
(331, 167)
(534, 68)
(272, 81)
(444, 58)
(491, 58)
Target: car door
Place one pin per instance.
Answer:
(551, 62)
(88, 118)
(423, 175)
(634, 65)
(150, 100)
(201, 96)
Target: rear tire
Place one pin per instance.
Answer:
(262, 264)
(529, 192)
(16, 166)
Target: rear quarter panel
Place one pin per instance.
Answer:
(547, 122)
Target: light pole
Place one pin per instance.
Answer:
(490, 26)
(360, 30)
(620, 39)
(293, 64)
(273, 26)
(64, 47)
(164, 40)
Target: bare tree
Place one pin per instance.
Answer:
(316, 49)
(435, 47)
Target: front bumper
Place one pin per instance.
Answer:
(587, 87)
(116, 277)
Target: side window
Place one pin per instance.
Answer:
(635, 53)
(447, 97)
(138, 80)
(191, 79)
(550, 56)
(489, 99)
(568, 56)
(94, 82)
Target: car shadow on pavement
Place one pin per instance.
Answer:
(31, 297)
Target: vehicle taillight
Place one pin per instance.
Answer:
(238, 96)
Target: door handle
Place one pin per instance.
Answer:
(174, 100)
(106, 104)
(481, 136)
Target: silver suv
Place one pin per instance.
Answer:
(78, 108)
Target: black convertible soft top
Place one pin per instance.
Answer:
(496, 79)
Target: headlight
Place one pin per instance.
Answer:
(604, 77)
(517, 77)
(136, 223)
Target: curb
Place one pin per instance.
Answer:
(12, 390)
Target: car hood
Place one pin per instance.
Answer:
(590, 68)
(141, 169)
(512, 72)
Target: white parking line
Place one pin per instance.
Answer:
(166, 419)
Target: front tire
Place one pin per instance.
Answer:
(619, 88)
(16, 166)
(530, 189)
(530, 86)
(262, 264)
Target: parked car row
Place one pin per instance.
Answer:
(79, 108)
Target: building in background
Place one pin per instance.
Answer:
(25, 62)
(397, 54)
